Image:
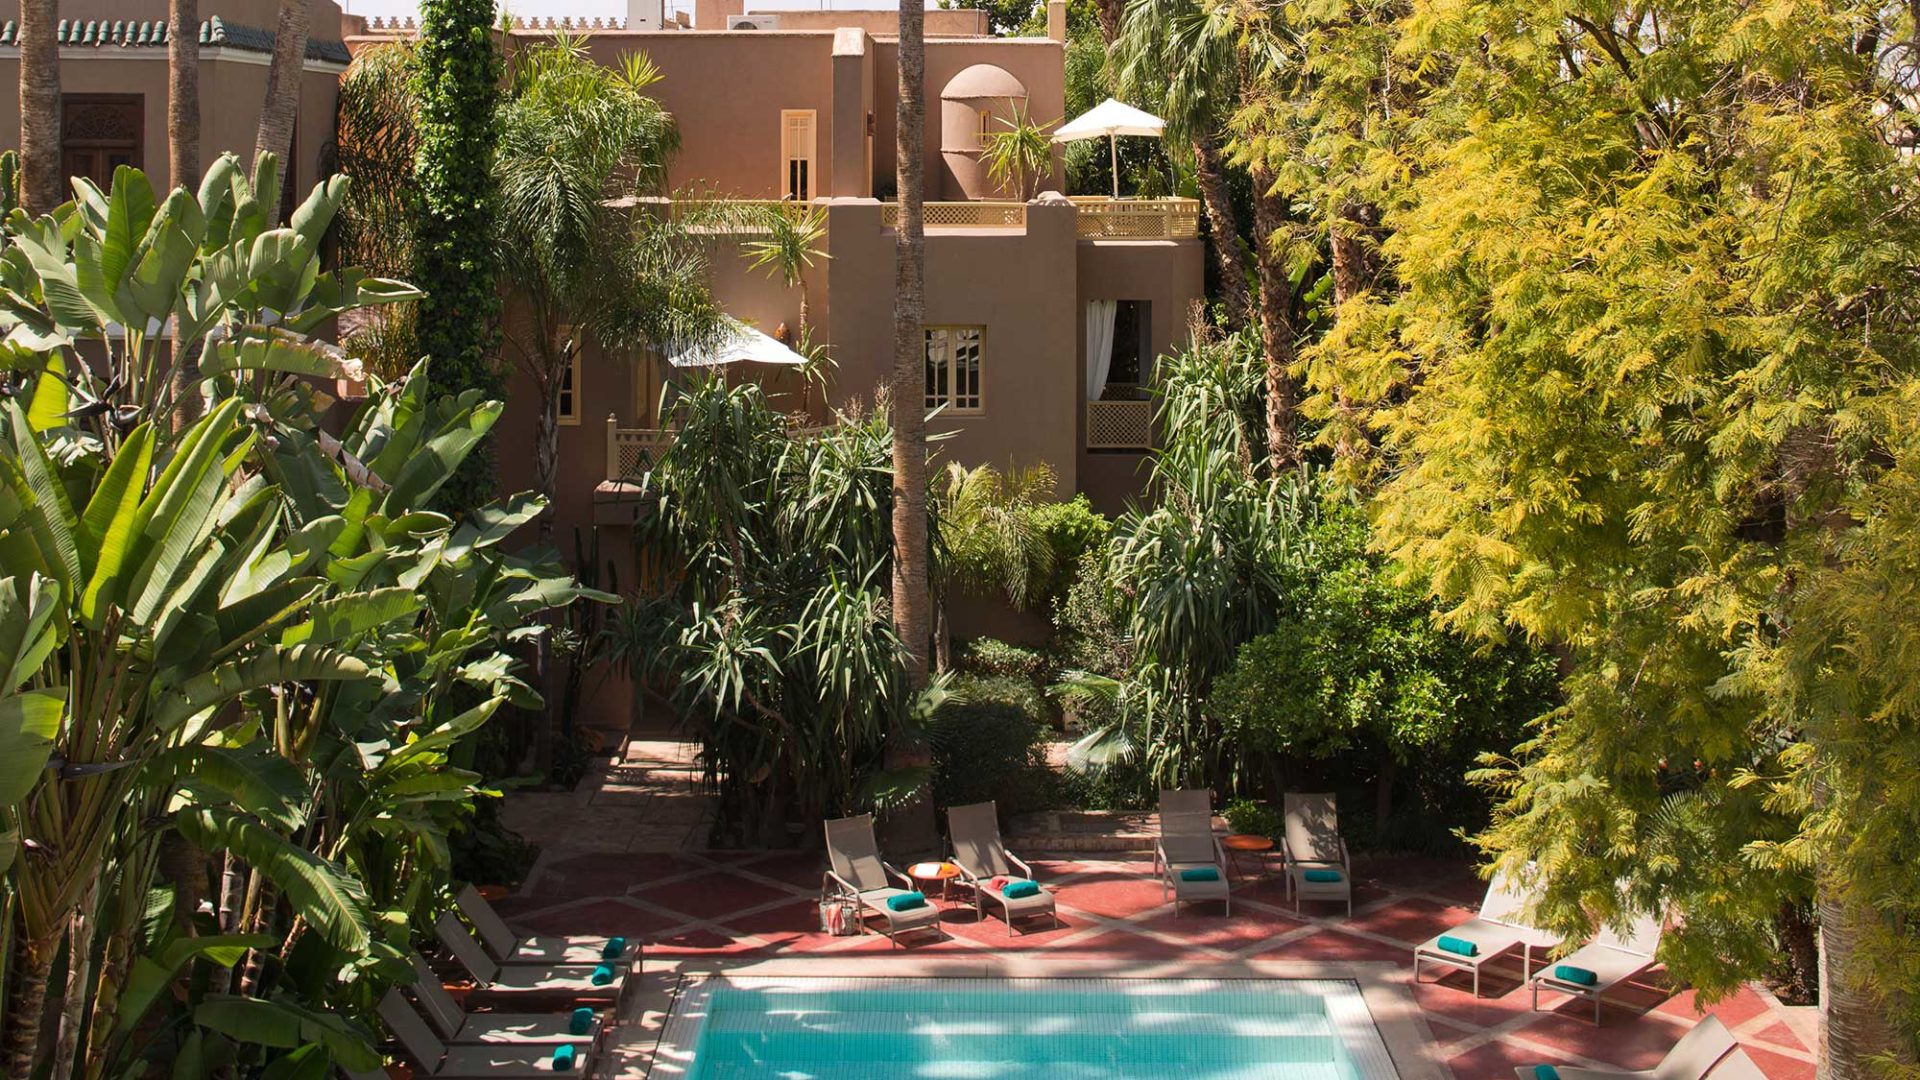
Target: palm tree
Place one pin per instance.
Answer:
(1020, 156)
(183, 92)
(787, 251)
(576, 135)
(40, 182)
(282, 102)
(1180, 56)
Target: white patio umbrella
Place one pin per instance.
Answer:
(741, 344)
(1111, 119)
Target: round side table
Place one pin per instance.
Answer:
(1247, 844)
(928, 873)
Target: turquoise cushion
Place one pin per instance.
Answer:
(603, 975)
(581, 1021)
(563, 1058)
(1579, 976)
(615, 946)
(1201, 873)
(1017, 889)
(1321, 876)
(1545, 1072)
(1457, 946)
(907, 901)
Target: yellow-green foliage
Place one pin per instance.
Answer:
(1644, 380)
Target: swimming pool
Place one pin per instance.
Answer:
(732, 1028)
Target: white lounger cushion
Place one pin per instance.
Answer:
(1493, 939)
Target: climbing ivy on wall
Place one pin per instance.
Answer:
(456, 81)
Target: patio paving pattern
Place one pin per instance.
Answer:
(687, 905)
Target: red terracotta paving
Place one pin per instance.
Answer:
(689, 904)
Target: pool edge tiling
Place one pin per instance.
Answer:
(675, 1054)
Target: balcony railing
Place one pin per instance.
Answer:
(1101, 218)
(1119, 425)
(961, 215)
(632, 451)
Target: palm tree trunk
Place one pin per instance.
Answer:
(1355, 261)
(183, 93)
(910, 598)
(912, 826)
(1276, 325)
(1855, 1021)
(1223, 223)
(282, 103)
(546, 447)
(41, 184)
(32, 965)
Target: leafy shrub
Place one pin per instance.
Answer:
(991, 656)
(1072, 529)
(989, 742)
(1250, 816)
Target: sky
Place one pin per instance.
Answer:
(605, 8)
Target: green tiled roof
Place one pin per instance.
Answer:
(137, 34)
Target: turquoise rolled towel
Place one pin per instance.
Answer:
(581, 1021)
(1017, 889)
(563, 1058)
(603, 975)
(1322, 876)
(907, 901)
(1201, 873)
(1579, 976)
(1545, 1072)
(615, 946)
(1457, 946)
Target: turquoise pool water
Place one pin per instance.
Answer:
(958, 1029)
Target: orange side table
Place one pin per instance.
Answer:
(1240, 844)
(926, 873)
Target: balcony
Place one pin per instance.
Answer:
(1119, 425)
(1097, 217)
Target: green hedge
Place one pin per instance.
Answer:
(989, 742)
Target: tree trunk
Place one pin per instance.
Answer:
(1356, 262)
(1855, 1024)
(282, 103)
(1224, 224)
(1383, 796)
(911, 826)
(546, 446)
(41, 185)
(1800, 944)
(1276, 325)
(183, 93)
(1109, 13)
(32, 964)
(801, 331)
(233, 883)
(80, 927)
(910, 599)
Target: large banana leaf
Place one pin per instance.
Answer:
(328, 898)
(28, 631)
(153, 972)
(253, 778)
(28, 724)
(282, 1023)
(299, 663)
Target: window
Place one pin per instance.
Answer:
(796, 154)
(99, 133)
(570, 393)
(953, 368)
(986, 127)
(1132, 364)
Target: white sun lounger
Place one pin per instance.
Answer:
(480, 1061)
(1708, 1052)
(506, 947)
(573, 982)
(456, 1025)
(1313, 842)
(859, 874)
(1497, 931)
(981, 857)
(1613, 958)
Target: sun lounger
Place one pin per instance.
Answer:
(454, 1024)
(1612, 958)
(1708, 1052)
(1186, 810)
(571, 982)
(1496, 932)
(860, 875)
(1317, 864)
(503, 945)
(1182, 860)
(983, 859)
(440, 1061)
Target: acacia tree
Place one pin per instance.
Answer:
(1651, 365)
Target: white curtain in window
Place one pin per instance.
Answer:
(1099, 345)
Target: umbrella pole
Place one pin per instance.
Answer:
(1113, 149)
